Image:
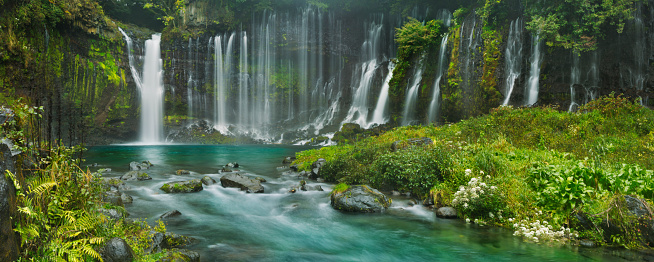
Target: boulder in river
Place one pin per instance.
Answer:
(114, 184)
(189, 186)
(208, 180)
(446, 212)
(112, 197)
(169, 214)
(127, 199)
(359, 199)
(179, 255)
(183, 172)
(135, 166)
(116, 250)
(135, 175)
(287, 160)
(242, 182)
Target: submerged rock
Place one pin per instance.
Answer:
(287, 160)
(183, 172)
(189, 186)
(112, 197)
(127, 199)
(446, 212)
(181, 255)
(360, 199)
(135, 175)
(242, 182)
(169, 214)
(208, 180)
(116, 250)
(135, 166)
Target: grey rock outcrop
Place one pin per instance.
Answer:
(242, 182)
(117, 250)
(360, 199)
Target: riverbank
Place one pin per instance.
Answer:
(518, 166)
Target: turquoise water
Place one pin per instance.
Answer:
(279, 226)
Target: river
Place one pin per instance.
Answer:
(231, 225)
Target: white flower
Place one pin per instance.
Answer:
(467, 220)
(481, 172)
(465, 205)
(476, 221)
(487, 177)
(491, 215)
(493, 187)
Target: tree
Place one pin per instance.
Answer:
(576, 24)
(171, 9)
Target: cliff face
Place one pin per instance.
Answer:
(295, 73)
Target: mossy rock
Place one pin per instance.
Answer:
(135, 175)
(180, 255)
(189, 186)
(362, 199)
(183, 172)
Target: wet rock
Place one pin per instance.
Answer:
(403, 144)
(242, 182)
(182, 172)
(135, 175)
(261, 179)
(127, 199)
(104, 170)
(312, 188)
(169, 214)
(114, 184)
(9, 246)
(135, 166)
(226, 170)
(156, 242)
(181, 255)
(360, 199)
(294, 167)
(636, 206)
(446, 212)
(112, 197)
(173, 240)
(288, 160)
(117, 250)
(232, 165)
(208, 180)
(189, 186)
(587, 243)
(112, 214)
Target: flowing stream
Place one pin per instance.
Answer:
(231, 225)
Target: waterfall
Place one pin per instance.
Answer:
(243, 79)
(592, 78)
(441, 68)
(220, 120)
(132, 64)
(152, 93)
(639, 72)
(574, 80)
(513, 58)
(358, 113)
(531, 90)
(410, 101)
(379, 116)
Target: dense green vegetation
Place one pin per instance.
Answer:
(59, 204)
(525, 164)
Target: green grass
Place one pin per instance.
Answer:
(528, 153)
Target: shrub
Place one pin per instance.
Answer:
(479, 200)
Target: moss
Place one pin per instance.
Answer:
(340, 188)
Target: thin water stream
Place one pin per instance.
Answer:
(231, 225)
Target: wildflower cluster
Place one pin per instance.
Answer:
(541, 231)
(478, 199)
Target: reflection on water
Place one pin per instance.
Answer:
(280, 226)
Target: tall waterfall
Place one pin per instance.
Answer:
(380, 114)
(591, 86)
(358, 113)
(411, 99)
(434, 106)
(531, 90)
(152, 93)
(575, 75)
(639, 72)
(150, 84)
(513, 58)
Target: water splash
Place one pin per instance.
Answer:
(513, 58)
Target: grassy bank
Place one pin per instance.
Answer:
(517, 166)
